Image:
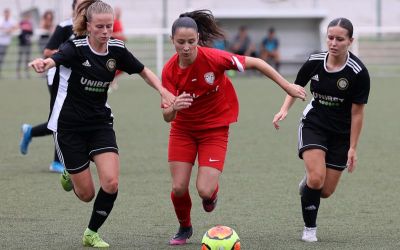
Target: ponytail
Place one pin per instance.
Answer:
(84, 14)
(204, 23)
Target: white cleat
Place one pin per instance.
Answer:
(309, 234)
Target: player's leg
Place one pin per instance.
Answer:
(108, 170)
(180, 197)
(103, 150)
(314, 160)
(336, 159)
(331, 181)
(212, 152)
(182, 151)
(312, 147)
(207, 186)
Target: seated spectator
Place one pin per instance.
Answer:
(242, 44)
(269, 48)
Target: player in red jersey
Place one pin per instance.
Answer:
(205, 105)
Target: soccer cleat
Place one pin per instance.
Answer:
(302, 185)
(183, 234)
(92, 239)
(26, 130)
(66, 181)
(309, 234)
(56, 167)
(209, 205)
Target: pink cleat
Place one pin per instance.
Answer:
(183, 234)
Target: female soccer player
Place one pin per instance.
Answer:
(62, 33)
(331, 124)
(205, 105)
(80, 117)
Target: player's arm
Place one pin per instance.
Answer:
(357, 118)
(291, 89)
(49, 52)
(302, 78)
(40, 65)
(150, 78)
(182, 101)
(283, 112)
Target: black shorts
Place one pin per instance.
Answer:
(336, 146)
(76, 149)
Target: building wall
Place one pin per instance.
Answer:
(148, 14)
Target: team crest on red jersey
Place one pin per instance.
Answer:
(209, 77)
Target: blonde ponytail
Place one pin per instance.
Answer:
(84, 13)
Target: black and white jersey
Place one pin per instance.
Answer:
(62, 33)
(333, 92)
(84, 77)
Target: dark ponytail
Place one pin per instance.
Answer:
(204, 23)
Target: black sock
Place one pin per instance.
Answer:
(309, 205)
(41, 130)
(101, 209)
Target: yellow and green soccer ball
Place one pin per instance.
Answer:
(220, 238)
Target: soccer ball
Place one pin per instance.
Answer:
(220, 238)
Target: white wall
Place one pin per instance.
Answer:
(148, 13)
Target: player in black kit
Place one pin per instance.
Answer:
(331, 124)
(80, 117)
(62, 33)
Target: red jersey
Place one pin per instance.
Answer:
(215, 103)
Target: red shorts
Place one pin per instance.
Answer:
(208, 145)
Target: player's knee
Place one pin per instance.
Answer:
(85, 196)
(110, 186)
(179, 190)
(205, 192)
(315, 180)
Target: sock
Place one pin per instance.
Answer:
(309, 205)
(41, 130)
(182, 206)
(101, 209)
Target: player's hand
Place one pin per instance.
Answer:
(351, 160)
(182, 101)
(279, 117)
(297, 91)
(167, 98)
(38, 65)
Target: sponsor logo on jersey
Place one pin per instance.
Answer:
(315, 78)
(209, 77)
(342, 83)
(86, 64)
(328, 100)
(94, 86)
(111, 64)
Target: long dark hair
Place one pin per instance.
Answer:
(344, 23)
(203, 22)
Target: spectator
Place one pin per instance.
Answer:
(25, 43)
(7, 26)
(47, 28)
(242, 44)
(269, 48)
